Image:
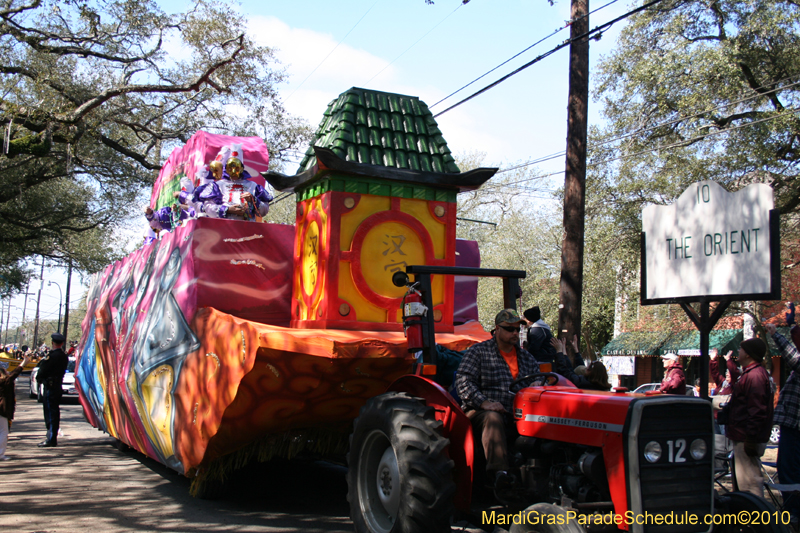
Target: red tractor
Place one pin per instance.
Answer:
(585, 460)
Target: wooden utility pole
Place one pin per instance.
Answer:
(571, 289)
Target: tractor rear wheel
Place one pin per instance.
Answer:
(399, 476)
(547, 518)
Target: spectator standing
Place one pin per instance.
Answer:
(674, 381)
(787, 414)
(539, 335)
(8, 403)
(724, 380)
(51, 375)
(483, 380)
(750, 417)
(596, 377)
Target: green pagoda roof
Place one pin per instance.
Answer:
(378, 128)
(368, 135)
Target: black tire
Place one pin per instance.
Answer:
(546, 518)
(733, 503)
(400, 476)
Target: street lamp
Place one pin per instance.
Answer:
(59, 303)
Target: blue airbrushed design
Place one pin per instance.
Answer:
(88, 379)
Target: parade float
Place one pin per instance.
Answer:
(10, 363)
(223, 342)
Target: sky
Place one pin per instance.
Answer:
(429, 51)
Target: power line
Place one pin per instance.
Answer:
(697, 138)
(588, 34)
(500, 185)
(667, 123)
(413, 45)
(332, 51)
(661, 147)
(567, 25)
(280, 198)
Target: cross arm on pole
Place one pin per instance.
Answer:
(690, 312)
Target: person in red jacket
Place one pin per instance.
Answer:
(674, 381)
(750, 418)
(719, 376)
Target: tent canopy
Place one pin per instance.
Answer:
(685, 343)
(636, 343)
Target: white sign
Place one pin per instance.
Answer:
(619, 365)
(710, 242)
(695, 352)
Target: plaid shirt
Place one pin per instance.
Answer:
(787, 412)
(484, 375)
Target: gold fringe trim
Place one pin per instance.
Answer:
(325, 442)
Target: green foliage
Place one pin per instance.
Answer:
(528, 237)
(695, 91)
(284, 210)
(93, 92)
(698, 90)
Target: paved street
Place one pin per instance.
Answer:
(86, 485)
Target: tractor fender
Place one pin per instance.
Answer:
(455, 426)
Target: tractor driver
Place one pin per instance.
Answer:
(483, 381)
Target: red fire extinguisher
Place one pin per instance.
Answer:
(413, 312)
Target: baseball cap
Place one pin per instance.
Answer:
(670, 357)
(507, 315)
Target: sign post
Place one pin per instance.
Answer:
(711, 245)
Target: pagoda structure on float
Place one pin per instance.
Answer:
(376, 192)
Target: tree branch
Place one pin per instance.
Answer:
(757, 87)
(109, 94)
(136, 156)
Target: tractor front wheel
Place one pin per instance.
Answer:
(747, 513)
(399, 476)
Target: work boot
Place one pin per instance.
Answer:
(504, 487)
(504, 481)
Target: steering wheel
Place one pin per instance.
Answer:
(544, 376)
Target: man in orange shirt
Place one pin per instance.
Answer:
(483, 381)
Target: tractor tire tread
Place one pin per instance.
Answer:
(421, 450)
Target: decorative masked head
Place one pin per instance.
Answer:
(216, 169)
(234, 168)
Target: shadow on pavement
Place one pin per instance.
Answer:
(87, 485)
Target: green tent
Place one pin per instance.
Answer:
(636, 343)
(687, 343)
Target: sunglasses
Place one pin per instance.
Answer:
(510, 329)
